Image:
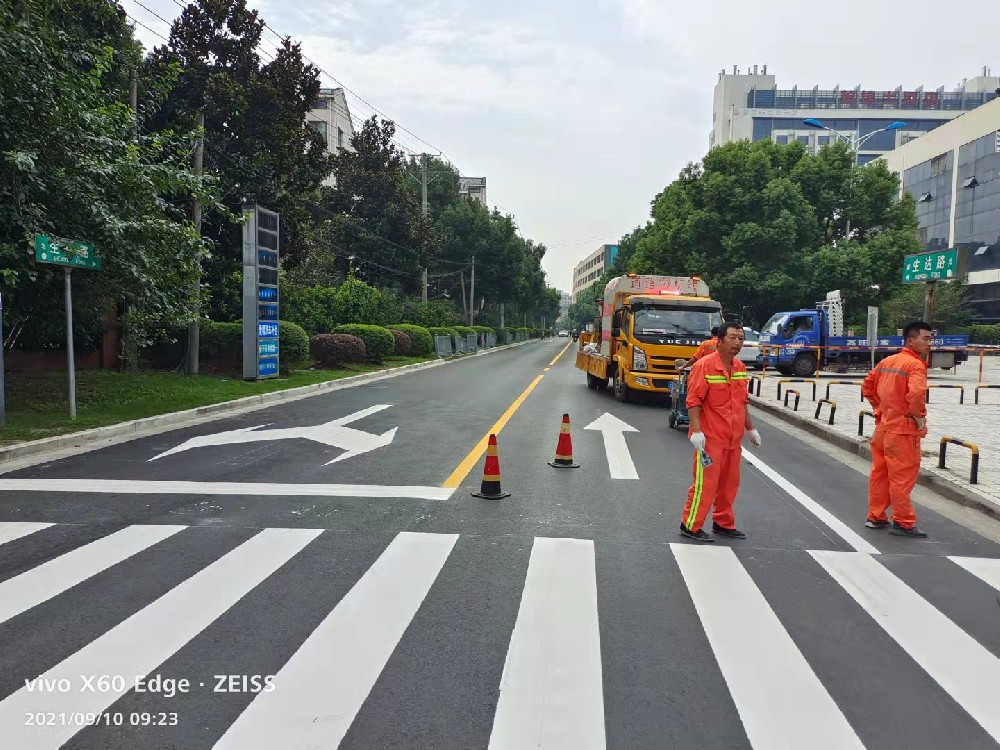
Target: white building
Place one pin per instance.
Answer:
(749, 105)
(331, 118)
(954, 175)
(591, 268)
(565, 300)
(473, 187)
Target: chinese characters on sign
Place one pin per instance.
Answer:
(936, 266)
(260, 293)
(66, 253)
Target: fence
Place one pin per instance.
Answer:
(974, 473)
(833, 408)
(442, 346)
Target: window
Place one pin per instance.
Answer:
(319, 127)
(823, 140)
(340, 137)
(321, 104)
(803, 139)
(798, 324)
(782, 139)
(939, 164)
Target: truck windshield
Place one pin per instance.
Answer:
(687, 321)
(773, 326)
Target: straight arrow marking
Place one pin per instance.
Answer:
(613, 431)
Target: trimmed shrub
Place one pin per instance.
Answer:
(438, 331)
(421, 340)
(985, 334)
(314, 308)
(333, 349)
(403, 345)
(502, 334)
(359, 303)
(379, 342)
(220, 340)
(464, 330)
(293, 346)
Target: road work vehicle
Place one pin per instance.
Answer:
(646, 324)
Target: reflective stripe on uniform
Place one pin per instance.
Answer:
(699, 483)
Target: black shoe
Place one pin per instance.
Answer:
(877, 524)
(903, 531)
(731, 533)
(698, 536)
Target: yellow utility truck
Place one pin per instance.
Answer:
(646, 324)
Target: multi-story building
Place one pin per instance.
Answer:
(473, 187)
(954, 175)
(565, 300)
(749, 105)
(591, 268)
(331, 118)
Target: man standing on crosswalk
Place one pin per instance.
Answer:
(897, 391)
(719, 415)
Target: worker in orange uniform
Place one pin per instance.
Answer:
(897, 391)
(708, 346)
(719, 415)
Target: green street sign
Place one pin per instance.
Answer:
(66, 253)
(936, 266)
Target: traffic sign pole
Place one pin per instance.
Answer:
(71, 361)
(928, 301)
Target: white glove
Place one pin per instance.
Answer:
(698, 440)
(754, 437)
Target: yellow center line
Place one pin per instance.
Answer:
(462, 471)
(559, 355)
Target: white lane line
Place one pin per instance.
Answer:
(551, 691)
(16, 529)
(764, 670)
(984, 568)
(838, 527)
(150, 487)
(145, 640)
(62, 573)
(320, 689)
(954, 659)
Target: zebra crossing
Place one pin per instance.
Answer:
(442, 640)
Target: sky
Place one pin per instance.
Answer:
(578, 112)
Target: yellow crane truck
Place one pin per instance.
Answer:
(646, 324)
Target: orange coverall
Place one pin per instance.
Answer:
(705, 348)
(722, 397)
(897, 390)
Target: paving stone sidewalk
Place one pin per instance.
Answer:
(979, 424)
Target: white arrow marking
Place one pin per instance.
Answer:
(619, 459)
(334, 433)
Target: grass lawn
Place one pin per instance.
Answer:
(38, 406)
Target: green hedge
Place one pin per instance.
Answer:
(334, 349)
(985, 334)
(464, 331)
(379, 341)
(224, 341)
(439, 331)
(421, 340)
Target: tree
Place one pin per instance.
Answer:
(72, 168)
(766, 226)
(256, 138)
(950, 307)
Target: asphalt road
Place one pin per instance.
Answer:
(372, 602)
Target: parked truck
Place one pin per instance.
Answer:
(647, 323)
(797, 343)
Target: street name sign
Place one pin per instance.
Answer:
(940, 265)
(70, 253)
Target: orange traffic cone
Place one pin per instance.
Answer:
(490, 488)
(564, 449)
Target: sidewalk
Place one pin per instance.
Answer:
(945, 417)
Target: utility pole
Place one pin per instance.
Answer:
(193, 327)
(472, 294)
(131, 346)
(465, 308)
(424, 210)
(928, 301)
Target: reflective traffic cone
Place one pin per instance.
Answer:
(490, 488)
(564, 448)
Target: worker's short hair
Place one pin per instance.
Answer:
(715, 330)
(724, 329)
(913, 329)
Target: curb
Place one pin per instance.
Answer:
(943, 487)
(221, 409)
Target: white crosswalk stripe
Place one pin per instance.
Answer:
(552, 692)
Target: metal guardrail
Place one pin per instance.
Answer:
(788, 393)
(974, 473)
(983, 385)
(861, 421)
(961, 390)
(759, 380)
(798, 380)
(833, 408)
(471, 342)
(843, 382)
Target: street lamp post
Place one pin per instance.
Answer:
(853, 141)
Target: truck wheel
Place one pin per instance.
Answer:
(621, 389)
(804, 366)
(672, 421)
(593, 382)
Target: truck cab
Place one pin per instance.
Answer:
(647, 324)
